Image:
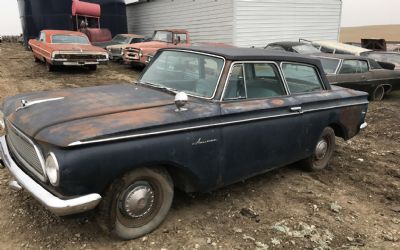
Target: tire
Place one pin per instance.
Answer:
(323, 151)
(154, 192)
(92, 67)
(36, 59)
(50, 67)
(378, 93)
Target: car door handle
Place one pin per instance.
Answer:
(295, 109)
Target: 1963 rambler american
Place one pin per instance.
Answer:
(197, 119)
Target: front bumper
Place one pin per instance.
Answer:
(56, 205)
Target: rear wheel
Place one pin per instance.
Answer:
(36, 59)
(137, 203)
(323, 151)
(378, 93)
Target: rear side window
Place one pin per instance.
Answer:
(354, 67)
(327, 50)
(301, 78)
(253, 81)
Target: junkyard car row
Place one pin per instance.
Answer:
(177, 127)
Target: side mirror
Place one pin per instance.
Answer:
(181, 99)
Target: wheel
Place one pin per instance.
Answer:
(378, 93)
(92, 67)
(50, 67)
(36, 59)
(137, 203)
(323, 151)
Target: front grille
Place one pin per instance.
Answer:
(115, 51)
(24, 150)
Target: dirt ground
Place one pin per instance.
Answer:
(353, 205)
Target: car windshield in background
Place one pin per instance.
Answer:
(193, 73)
(69, 39)
(329, 65)
(120, 39)
(163, 36)
(382, 57)
(305, 49)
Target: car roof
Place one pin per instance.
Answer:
(248, 54)
(339, 56)
(341, 46)
(63, 32)
(288, 43)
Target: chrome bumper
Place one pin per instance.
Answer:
(54, 204)
(363, 126)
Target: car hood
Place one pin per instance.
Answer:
(105, 44)
(117, 46)
(151, 44)
(86, 113)
(75, 47)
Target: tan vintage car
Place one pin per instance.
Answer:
(120, 42)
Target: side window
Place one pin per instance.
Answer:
(180, 38)
(349, 67)
(301, 78)
(42, 37)
(364, 66)
(254, 80)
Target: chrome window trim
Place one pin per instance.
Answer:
(283, 82)
(205, 54)
(330, 58)
(321, 82)
(355, 59)
(37, 150)
(79, 143)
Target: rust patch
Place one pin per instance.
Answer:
(278, 102)
(350, 118)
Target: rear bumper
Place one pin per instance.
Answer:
(79, 63)
(56, 205)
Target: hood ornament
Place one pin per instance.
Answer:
(26, 104)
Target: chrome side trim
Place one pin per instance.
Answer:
(53, 203)
(78, 143)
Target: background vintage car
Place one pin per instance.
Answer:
(121, 39)
(66, 48)
(116, 50)
(246, 107)
(361, 74)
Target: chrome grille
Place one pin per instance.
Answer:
(25, 151)
(116, 51)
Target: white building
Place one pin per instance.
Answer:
(242, 23)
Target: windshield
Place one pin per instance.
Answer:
(329, 65)
(390, 58)
(120, 39)
(193, 73)
(163, 36)
(305, 49)
(69, 39)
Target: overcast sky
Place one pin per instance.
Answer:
(355, 13)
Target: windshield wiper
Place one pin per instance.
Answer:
(158, 86)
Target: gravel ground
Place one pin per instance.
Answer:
(353, 205)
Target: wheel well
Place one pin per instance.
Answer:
(183, 179)
(388, 88)
(339, 131)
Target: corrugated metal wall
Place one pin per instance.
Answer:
(259, 22)
(206, 20)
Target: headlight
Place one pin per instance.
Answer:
(2, 122)
(52, 169)
(140, 53)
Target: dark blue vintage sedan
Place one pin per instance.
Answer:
(197, 119)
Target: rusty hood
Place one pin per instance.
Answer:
(65, 116)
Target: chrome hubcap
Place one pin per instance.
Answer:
(321, 149)
(138, 201)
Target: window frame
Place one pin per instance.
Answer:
(280, 76)
(302, 64)
(341, 65)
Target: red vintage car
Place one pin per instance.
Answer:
(66, 48)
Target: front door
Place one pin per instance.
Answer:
(263, 127)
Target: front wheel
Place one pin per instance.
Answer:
(137, 203)
(323, 151)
